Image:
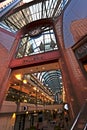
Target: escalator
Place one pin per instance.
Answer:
(80, 122)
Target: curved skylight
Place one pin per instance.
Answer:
(33, 11)
(51, 79)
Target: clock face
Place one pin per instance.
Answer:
(35, 32)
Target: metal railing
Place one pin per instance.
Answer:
(85, 128)
(80, 123)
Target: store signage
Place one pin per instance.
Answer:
(35, 59)
(81, 51)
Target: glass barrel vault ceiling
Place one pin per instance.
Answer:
(32, 11)
(51, 79)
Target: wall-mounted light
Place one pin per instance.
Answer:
(14, 115)
(25, 100)
(18, 76)
(25, 81)
(60, 77)
(27, 112)
(34, 88)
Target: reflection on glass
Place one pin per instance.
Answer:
(38, 44)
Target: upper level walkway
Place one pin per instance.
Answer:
(10, 107)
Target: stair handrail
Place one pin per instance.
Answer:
(77, 118)
(85, 128)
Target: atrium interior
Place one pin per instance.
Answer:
(43, 65)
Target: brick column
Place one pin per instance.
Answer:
(5, 70)
(79, 29)
(69, 64)
(79, 83)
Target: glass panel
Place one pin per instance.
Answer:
(36, 11)
(38, 44)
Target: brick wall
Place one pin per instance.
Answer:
(74, 80)
(76, 75)
(67, 82)
(6, 38)
(6, 42)
(3, 61)
(79, 28)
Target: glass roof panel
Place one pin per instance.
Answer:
(51, 79)
(21, 16)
